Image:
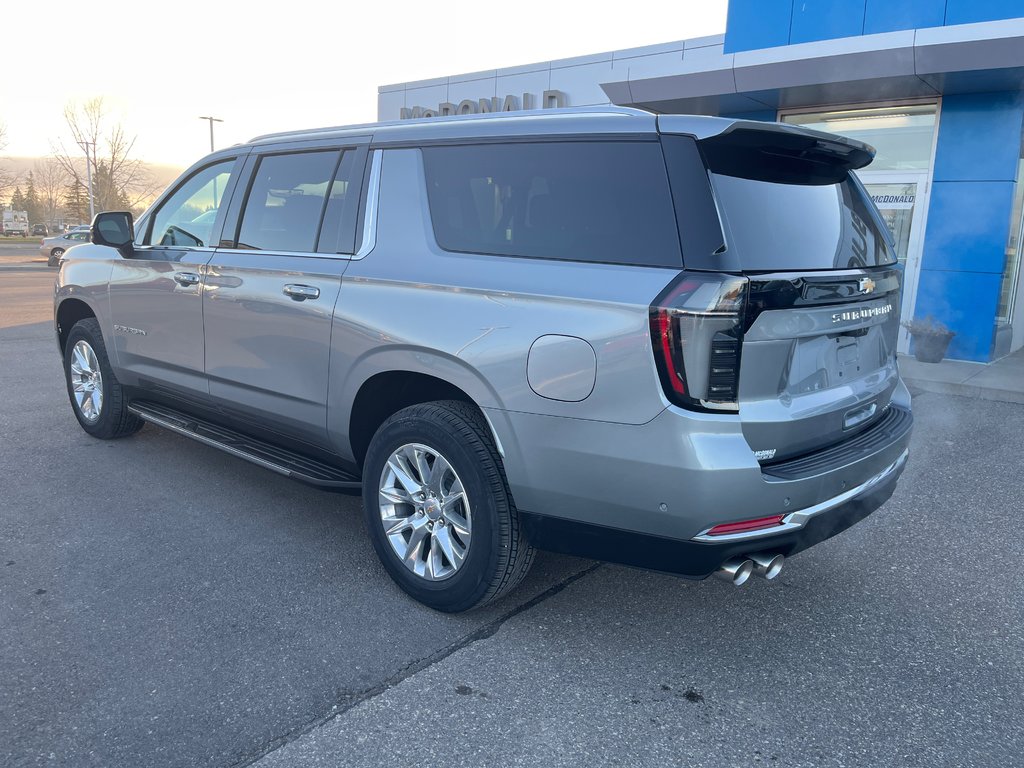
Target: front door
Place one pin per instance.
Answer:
(902, 199)
(156, 294)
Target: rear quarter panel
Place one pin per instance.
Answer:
(471, 318)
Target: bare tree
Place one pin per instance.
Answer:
(51, 182)
(119, 180)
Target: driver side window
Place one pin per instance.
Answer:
(186, 218)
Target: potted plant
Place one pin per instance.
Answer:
(931, 339)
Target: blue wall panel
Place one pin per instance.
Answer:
(826, 19)
(967, 11)
(754, 24)
(968, 224)
(969, 217)
(966, 302)
(979, 137)
(893, 15)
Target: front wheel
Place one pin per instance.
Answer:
(438, 508)
(97, 397)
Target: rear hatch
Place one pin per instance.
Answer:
(815, 342)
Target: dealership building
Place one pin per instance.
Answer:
(936, 86)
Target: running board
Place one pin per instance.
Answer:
(280, 460)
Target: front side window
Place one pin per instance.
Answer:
(597, 201)
(187, 217)
(286, 201)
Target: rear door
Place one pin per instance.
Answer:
(821, 317)
(272, 286)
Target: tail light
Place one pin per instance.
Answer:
(697, 335)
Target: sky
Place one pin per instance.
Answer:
(265, 67)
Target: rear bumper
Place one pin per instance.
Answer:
(696, 559)
(648, 494)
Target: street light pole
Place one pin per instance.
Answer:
(211, 120)
(88, 173)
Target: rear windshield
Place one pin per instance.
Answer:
(789, 226)
(597, 201)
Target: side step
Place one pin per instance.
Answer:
(280, 460)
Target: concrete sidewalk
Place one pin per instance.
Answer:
(1002, 380)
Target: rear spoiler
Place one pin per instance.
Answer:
(783, 153)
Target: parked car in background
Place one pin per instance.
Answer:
(666, 341)
(40, 229)
(53, 248)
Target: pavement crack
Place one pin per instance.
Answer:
(348, 701)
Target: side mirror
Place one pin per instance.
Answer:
(115, 229)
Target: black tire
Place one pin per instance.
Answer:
(499, 554)
(114, 418)
(54, 260)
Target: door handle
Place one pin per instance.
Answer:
(186, 278)
(302, 292)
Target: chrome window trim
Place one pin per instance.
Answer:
(796, 520)
(303, 254)
(369, 241)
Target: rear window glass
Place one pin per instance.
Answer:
(286, 201)
(776, 226)
(591, 201)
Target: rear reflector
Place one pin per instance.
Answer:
(746, 525)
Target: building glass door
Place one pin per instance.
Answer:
(901, 198)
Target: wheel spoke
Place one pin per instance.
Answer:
(393, 525)
(396, 496)
(453, 551)
(414, 548)
(459, 523)
(83, 364)
(419, 458)
(437, 473)
(403, 475)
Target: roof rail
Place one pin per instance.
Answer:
(602, 109)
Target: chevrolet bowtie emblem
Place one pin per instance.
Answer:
(866, 285)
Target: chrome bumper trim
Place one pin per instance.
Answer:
(796, 520)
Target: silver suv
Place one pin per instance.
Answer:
(664, 341)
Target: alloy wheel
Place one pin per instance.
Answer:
(425, 511)
(86, 381)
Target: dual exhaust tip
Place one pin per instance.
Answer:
(738, 569)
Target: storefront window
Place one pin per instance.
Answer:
(902, 136)
(1008, 291)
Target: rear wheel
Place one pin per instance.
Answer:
(97, 397)
(438, 508)
(55, 255)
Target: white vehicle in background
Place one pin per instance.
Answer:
(14, 223)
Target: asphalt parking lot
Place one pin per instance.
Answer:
(164, 604)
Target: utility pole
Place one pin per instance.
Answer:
(88, 173)
(212, 120)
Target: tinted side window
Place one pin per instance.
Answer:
(186, 218)
(337, 235)
(599, 201)
(286, 200)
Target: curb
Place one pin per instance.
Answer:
(965, 390)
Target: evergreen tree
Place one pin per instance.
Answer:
(33, 204)
(76, 201)
(18, 200)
